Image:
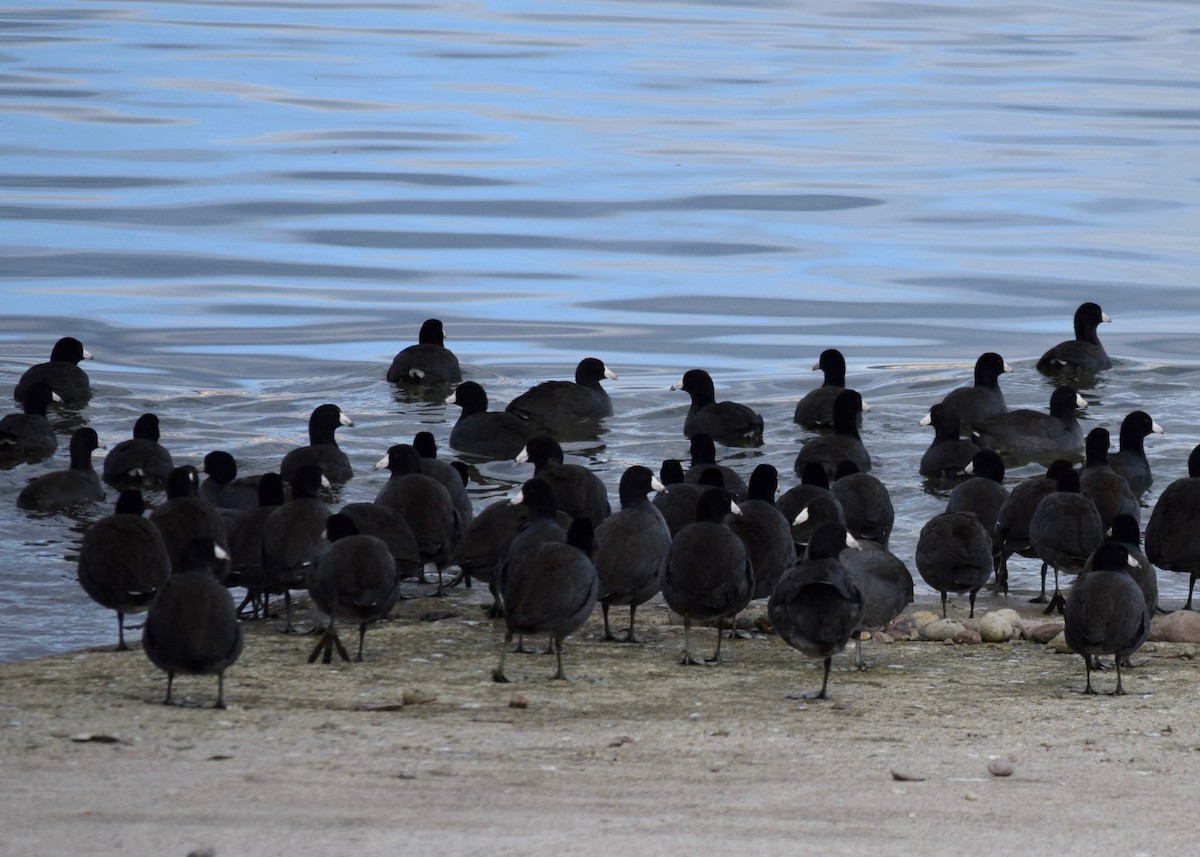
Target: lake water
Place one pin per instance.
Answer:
(245, 209)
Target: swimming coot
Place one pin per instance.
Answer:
(982, 399)
(1130, 458)
(428, 362)
(65, 489)
(28, 437)
(815, 409)
(844, 444)
(728, 423)
(561, 405)
(1027, 435)
(322, 449)
(1082, 356)
(949, 453)
(578, 491)
(141, 461)
(62, 373)
(484, 433)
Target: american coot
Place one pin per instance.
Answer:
(123, 561)
(866, 503)
(1127, 534)
(983, 399)
(703, 453)
(62, 373)
(292, 536)
(954, 554)
(1106, 488)
(766, 533)
(222, 488)
(1027, 435)
(428, 362)
(816, 606)
(948, 453)
(814, 483)
(1105, 614)
(353, 580)
(549, 587)
(562, 405)
(454, 476)
(983, 494)
(192, 625)
(708, 573)
(1130, 458)
(815, 409)
(484, 433)
(1064, 530)
(886, 586)
(28, 436)
(423, 503)
(245, 536)
(322, 449)
(678, 502)
(631, 548)
(1083, 355)
(822, 509)
(1173, 532)
(66, 489)
(389, 526)
(578, 491)
(844, 444)
(728, 423)
(1012, 521)
(184, 516)
(140, 462)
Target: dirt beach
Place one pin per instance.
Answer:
(417, 751)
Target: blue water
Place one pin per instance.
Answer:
(244, 209)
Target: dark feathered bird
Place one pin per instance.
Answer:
(708, 575)
(866, 503)
(141, 461)
(949, 452)
(123, 561)
(815, 409)
(886, 586)
(631, 548)
(293, 536)
(424, 504)
(703, 452)
(766, 533)
(65, 489)
(1107, 489)
(1105, 614)
(984, 398)
(62, 373)
(353, 580)
(1064, 530)
(452, 475)
(1012, 521)
(728, 423)
(428, 362)
(1082, 356)
(1130, 458)
(844, 444)
(954, 554)
(183, 516)
(322, 449)
(28, 436)
(223, 489)
(548, 588)
(245, 534)
(1173, 533)
(983, 494)
(1027, 435)
(578, 491)
(192, 625)
(678, 502)
(560, 406)
(816, 606)
(484, 433)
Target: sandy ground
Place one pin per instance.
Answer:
(417, 751)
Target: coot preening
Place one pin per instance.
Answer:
(816, 606)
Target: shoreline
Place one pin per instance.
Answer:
(418, 748)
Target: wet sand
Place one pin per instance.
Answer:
(417, 751)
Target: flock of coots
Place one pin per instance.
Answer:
(708, 541)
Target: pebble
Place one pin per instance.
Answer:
(967, 637)
(904, 776)
(518, 701)
(995, 628)
(416, 696)
(1045, 632)
(941, 630)
(1182, 626)
(921, 618)
(1058, 645)
(1000, 768)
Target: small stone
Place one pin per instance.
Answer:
(1000, 768)
(994, 628)
(437, 615)
(967, 637)
(1182, 626)
(921, 618)
(971, 796)
(518, 701)
(416, 696)
(881, 637)
(1045, 632)
(941, 630)
(971, 624)
(1009, 614)
(903, 776)
(903, 628)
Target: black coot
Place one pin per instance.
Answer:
(1082, 356)
(728, 423)
(1173, 533)
(1107, 489)
(322, 450)
(1028, 435)
(845, 444)
(766, 533)
(562, 405)
(703, 453)
(984, 398)
(1064, 530)
(428, 362)
(424, 504)
(28, 436)
(66, 489)
(949, 452)
(484, 433)
(184, 516)
(62, 373)
(293, 536)
(1130, 458)
(815, 409)
(954, 554)
(578, 491)
(141, 461)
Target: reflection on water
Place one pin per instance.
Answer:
(244, 209)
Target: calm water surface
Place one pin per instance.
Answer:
(244, 209)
